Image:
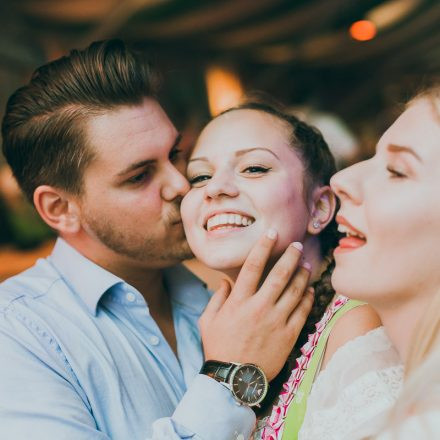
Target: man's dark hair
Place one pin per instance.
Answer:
(43, 128)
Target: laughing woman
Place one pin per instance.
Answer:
(254, 168)
(392, 203)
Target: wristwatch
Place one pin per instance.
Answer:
(247, 382)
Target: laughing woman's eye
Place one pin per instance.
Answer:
(395, 174)
(198, 180)
(256, 169)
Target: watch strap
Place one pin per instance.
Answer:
(220, 371)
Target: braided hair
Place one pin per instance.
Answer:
(319, 166)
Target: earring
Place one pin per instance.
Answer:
(316, 224)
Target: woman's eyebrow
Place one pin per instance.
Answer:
(248, 150)
(402, 149)
(238, 153)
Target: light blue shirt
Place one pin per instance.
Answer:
(81, 358)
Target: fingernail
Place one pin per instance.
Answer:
(271, 233)
(297, 245)
(306, 265)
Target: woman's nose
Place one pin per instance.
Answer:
(221, 185)
(347, 183)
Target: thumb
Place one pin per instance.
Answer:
(218, 298)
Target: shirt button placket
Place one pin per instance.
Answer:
(130, 297)
(154, 340)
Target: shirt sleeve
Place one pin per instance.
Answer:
(207, 412)
(40, 394)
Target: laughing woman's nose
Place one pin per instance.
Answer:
(221, 185)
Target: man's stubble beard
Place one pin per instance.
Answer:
(137, 247)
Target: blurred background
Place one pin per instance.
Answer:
(343, 65)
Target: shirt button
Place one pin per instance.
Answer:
(130, 297)
(154, 340)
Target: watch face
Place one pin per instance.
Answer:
(248, 384)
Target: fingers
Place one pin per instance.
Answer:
(298, 317)
(280, 275)
(250, 274)
(293, 293)
(218, 298)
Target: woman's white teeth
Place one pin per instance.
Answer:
(346, 230)
(228, 220)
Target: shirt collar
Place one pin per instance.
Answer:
(86, 278)
(91, 281)
(186, 289)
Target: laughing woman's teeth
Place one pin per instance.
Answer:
(227, 221)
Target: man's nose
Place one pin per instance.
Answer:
(176, 184)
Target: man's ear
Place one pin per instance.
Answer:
(58, 209)
(323, 209)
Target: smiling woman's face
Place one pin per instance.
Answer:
(245, 178)
(393, 201)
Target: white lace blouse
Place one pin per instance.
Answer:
(424, 426)
(352, 395)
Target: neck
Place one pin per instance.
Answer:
(401, 323)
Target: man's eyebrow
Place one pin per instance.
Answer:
(136, 165)
(145, 163)
(403, 149)
(240, 153)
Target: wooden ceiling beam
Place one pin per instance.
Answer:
(398, 38)
(67, 11)
(209, 17)
(310, 16)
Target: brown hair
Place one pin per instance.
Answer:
(43, 132)
(319, 166)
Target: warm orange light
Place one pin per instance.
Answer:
(224, 89)
(363, 30)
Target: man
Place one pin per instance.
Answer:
(100, 340)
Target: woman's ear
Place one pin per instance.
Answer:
(58, 209)
(323, 209)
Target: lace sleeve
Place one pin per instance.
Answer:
(351, 396)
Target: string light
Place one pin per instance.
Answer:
(363, 30)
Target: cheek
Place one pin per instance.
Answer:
(189, 210)
(288, 213)
(394, 219)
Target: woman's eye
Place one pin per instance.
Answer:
(256, 169)
(394, 174)
(198, 179)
